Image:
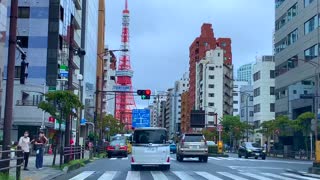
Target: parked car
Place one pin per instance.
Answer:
(150, 148)
(192, 145)
(251, 149)
(173, 148)
(117, 147)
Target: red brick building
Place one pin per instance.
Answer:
(206, 41)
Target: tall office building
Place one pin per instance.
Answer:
(236, 94)
(296, 50)
(244, 73)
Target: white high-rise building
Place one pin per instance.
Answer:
(214, 86)
(155, 110)
(110, 79)
(263, 91)
(237, 96)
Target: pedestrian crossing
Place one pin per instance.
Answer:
(124, 158)
(187, 175)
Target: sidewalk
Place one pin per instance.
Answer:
(47, 172)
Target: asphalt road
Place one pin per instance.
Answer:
(191, 169)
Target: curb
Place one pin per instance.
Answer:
(218, 155)
(301, 173)
(54, 176)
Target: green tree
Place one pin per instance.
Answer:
(233, 127)
(114, 125)
(60, 105)
(209, 134)
(283, 125)
(267, 129)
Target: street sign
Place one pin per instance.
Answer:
(219, 127)
(52, 88)
(140, 118)
(83, 122)
(121, 88)
(56, 125)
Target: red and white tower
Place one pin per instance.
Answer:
(125, 101)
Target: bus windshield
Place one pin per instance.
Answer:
(150, 136)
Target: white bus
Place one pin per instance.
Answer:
(150, 147)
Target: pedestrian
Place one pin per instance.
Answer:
(265, 146)
(39, 143)
(24, 143)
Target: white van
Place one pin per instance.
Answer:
(150, 148)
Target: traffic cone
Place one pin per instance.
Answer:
(50, 150)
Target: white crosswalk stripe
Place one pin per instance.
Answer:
(232, 176)
(108, 175)
(207, 175)
(82, 175)
(277, 176)
(133, 175)
(183, 175)
(191, 175)
(158, 175)
(124, 158)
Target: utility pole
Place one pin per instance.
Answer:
(7, 124)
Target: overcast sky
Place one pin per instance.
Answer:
(161, 32)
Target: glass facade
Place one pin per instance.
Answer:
(244, 73)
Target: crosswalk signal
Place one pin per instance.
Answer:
(145, 94)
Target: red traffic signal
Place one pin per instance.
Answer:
(147, 92)
(144, 92)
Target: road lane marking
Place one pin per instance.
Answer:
(108, 175)
(277, 176)
(231, 176)
(255, 176)
(252, 167)
(183, 175)
(214, 158)
(125, 158)
(133, 175)
(298, 176)
(207, 175)
(82, 175)
(113, 158)
(158, 175)
(173, 159)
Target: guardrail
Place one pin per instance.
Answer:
(302, 155)
(73, 152)
(6, 158)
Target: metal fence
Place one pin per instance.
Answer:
(11, 155)
(73, 152)
(302, 155)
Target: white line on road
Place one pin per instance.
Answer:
(231, 176)
(173, 159)
(82, 175)
(252, 167)
(300, 177)
(133, 175)
(214, 158)
(207, 175)
(113, 158)
(183, 175)
(277, 176)
(158, 175)
(108, 175)
(125, 158)
(255, 176)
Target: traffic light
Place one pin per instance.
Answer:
(145, 94)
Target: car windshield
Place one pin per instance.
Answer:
(255, 145)
(118, 142)
(193, 138)
(150, 136)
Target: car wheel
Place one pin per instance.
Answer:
(126, 155)
(109, 156)
(134, 167)
(239, 155)
(256, 157)
(263, 158)
(166, 167)
(205, 159)
(246, 156)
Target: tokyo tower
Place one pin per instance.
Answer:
(125, 101)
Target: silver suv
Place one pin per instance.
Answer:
(192, 145)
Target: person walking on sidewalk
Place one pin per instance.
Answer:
(39, 143)
(24, 143)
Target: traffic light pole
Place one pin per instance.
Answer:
(7, 124)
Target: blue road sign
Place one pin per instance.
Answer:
(83, 122)
(140, 118)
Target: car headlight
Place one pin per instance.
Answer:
(264, 151)
(249, 150)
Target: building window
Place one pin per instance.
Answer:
(242, 112)
(23, 12)
(211, 77)
(234, 94)
(211, 68)
(311, 52)
(307, 2)
(61, 13)
(292, 37)
(211, 85)
(272, 74)
(235, 110)
(256, 76)
(256, 108)
(211, 94)
(251, 113)
(17, 71)
(235, 102)
(251, 98)
(279, 2)
(311, 24)
(23, 41)
(256, 92)
(294, 91)
(292, 12)
(272, 91)
(272, 107)
(210, 104)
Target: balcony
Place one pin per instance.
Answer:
(76, 62)
(27, 103)
(77, 19)
(77, 37)
(78, 4)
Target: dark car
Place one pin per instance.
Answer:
(117, 147)
(173, 148)
(251, 149)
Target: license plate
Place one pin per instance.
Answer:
(195, 147)
(151, 149)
